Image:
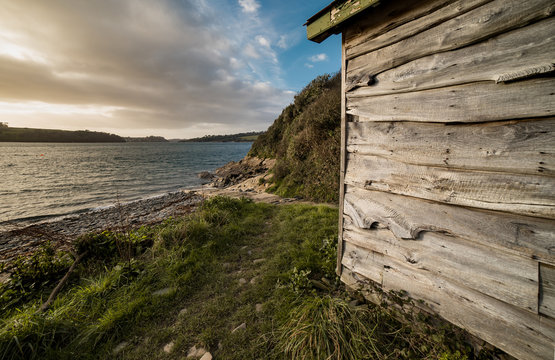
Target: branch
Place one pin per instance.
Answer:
(62, 282)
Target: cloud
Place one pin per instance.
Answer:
(310, 66)
(250, 51)
(318, 58)
(263, 41)
(136, 64)
(282, 42)
(249, 6)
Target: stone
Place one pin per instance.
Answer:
(169, 347)
(254, 280)
(242, 281)
(205, 175)
(163, 292)
(258, 307)
(182, 311)
(119, 348)
(196, 352)
(206, 356)
(243, 326)
(258, 261)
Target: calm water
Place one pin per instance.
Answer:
(41, 180)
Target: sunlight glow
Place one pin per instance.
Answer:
(36, 107)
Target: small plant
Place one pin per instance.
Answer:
(299, 282)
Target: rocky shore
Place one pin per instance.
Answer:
(247, 178)
(61, 231)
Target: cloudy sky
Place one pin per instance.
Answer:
(174, 68)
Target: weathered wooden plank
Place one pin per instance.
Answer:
(547, 290)
(342, 158)
(493, 18)
(521, 53)
(367, 263)
(399, 21)
(500, 274)
(408, 217)
(526, 147)
(530, 195)
(518, 332)
(476, 102)
(388, 16)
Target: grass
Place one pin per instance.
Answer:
(191, 281)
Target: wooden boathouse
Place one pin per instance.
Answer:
(448, 165)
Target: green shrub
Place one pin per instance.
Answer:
(31, 275)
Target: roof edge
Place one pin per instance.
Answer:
(327, 21)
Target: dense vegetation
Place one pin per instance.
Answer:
(240, 137)
(154, 292)
(12, 134)
(305, 141)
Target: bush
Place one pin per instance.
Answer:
(31, 275)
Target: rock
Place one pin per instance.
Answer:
(196, 352)
(242, 281)
(206, 356)
(182, 312)
(169, 347)
(253, 280)
(243, 326)
(206, 175)
(234, 172)
(258, 261)
(120, 347)
(163, 292)
(258, 307)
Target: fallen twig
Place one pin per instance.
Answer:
(58, 287)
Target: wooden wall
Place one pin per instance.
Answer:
(448, 168)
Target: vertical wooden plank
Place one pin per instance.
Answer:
(343, 157)
(547, 290)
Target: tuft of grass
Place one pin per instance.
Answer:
(325, 328)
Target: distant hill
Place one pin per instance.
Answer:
(14, 134)
(146, 139)
(241, 137)
(305, 141)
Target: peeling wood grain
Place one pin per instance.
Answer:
(408, 217)
(547, 290)
(476, 102)
(500, 274)
(516, 55)
(515, 193)
(382, 27)
(518, 332)
(526, 147)
(493, 18)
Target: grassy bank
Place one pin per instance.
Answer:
(305, 141)
(155, 292)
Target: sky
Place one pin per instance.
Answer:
(172, 68)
